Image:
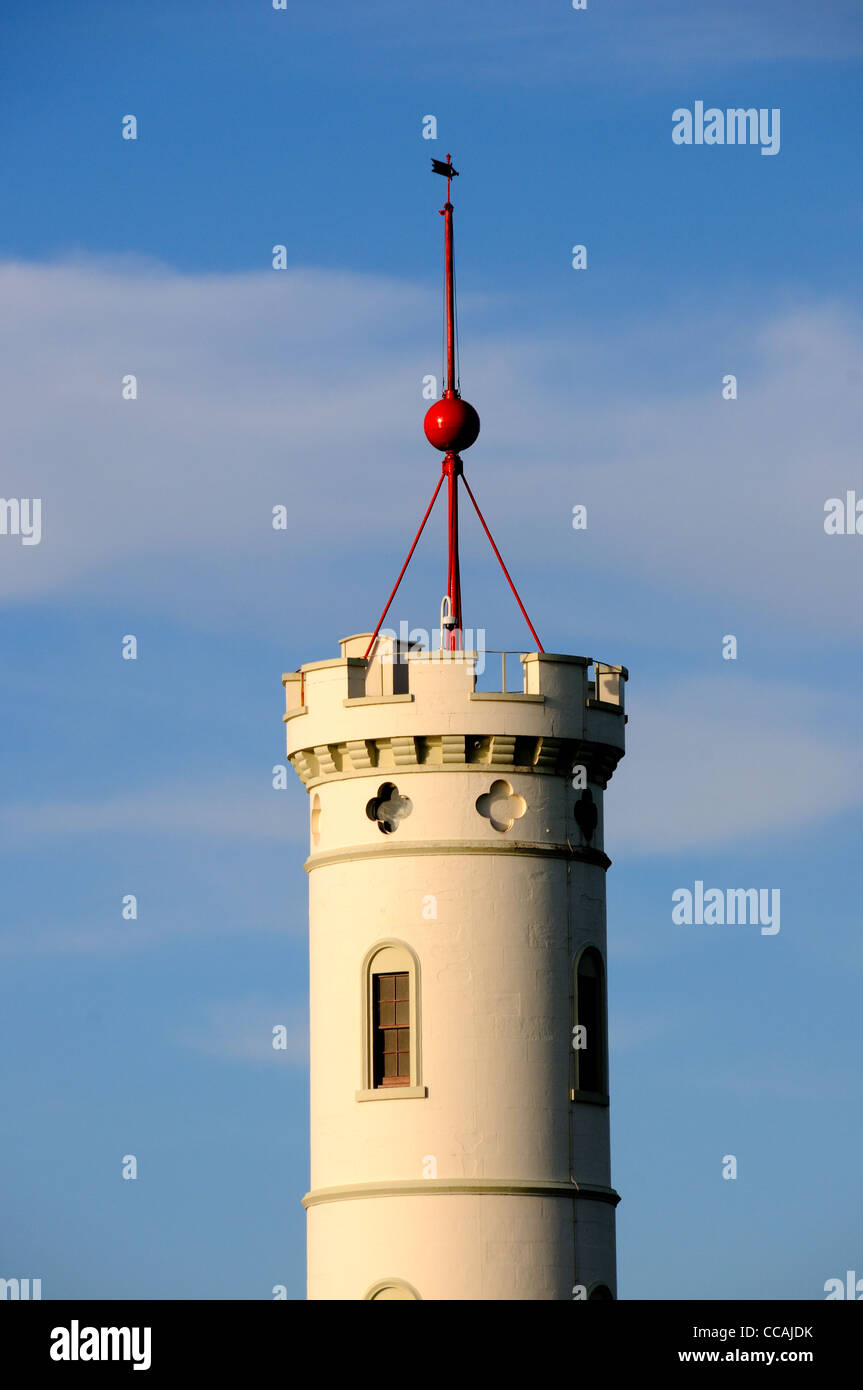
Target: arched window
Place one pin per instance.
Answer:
(392, 1289)
(590, 1080)
(600, 1293)
(391, 1040)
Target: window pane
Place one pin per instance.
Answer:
(391, 1051)
(589, 1007)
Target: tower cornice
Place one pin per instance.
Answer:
(417, 753)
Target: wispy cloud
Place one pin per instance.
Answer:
(652, 41)
(254, 392)
(242, 1030)
(226, 810)
(719, 760)
(716, 760)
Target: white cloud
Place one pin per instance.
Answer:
(649, 43)
(556, 44)
(303, 388)
(716, 761)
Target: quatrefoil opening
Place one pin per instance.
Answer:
(388, 808)
(501, 805)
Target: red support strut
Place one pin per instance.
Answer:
(404, 567)
(502, 565)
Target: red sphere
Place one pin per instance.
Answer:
(451, 424)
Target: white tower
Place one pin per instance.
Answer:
(457, 957)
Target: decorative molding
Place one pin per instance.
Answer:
(453, 750)
(328, 758)
(404, 750)
(390, 847)
(548, 754)
(519, 753)
(502, 750)
(361, 754)
(463, 1187)
(305, 766)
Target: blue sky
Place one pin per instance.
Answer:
(303, 387)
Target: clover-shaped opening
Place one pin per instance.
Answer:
(586, 815)
(388, 808)
(501, 805)
(316, 820)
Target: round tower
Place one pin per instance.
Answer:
(457, 957)
(459, 1092)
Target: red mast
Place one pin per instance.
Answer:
(451, 425)
(446, 214)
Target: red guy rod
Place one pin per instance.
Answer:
(539, 645)
(404, 566)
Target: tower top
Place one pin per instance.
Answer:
(451, 425)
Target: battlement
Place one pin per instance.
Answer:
(404, 691)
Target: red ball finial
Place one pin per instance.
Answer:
(451, 424)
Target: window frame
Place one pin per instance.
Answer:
(382, 1045)
(576, 1092)
(387, 957)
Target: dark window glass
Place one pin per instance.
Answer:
(590, 1059)
(391, 1028)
